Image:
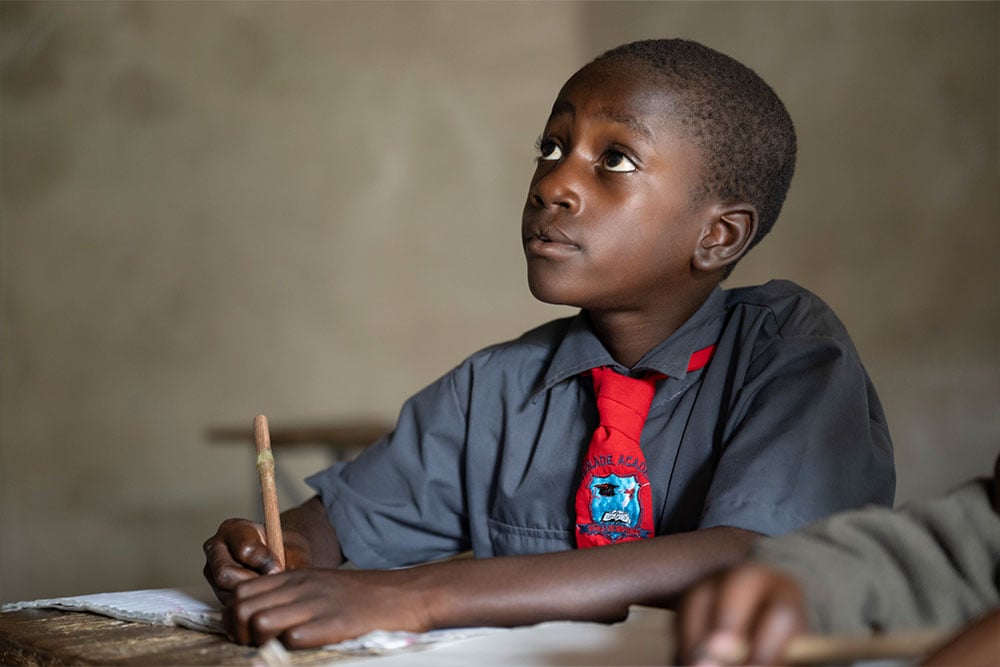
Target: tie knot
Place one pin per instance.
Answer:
(622, 401)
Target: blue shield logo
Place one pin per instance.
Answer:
(615, 500)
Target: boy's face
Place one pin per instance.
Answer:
(612, 221)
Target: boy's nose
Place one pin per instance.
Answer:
(556, 188)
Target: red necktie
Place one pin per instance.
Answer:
(615, 502)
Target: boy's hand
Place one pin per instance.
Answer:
(313, 607)
(745, 615)
(238, 552)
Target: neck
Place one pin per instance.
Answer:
(628, 335)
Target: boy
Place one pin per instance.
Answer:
(933, 563)
(661, 164)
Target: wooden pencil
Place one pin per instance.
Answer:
(265, 468)
(840, 650)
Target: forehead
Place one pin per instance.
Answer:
(625, 92)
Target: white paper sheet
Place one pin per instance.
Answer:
(195, 608)
(645, 638)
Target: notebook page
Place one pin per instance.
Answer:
(195, 608)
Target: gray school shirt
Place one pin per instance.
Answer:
(782, 427)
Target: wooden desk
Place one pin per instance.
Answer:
(51, 637)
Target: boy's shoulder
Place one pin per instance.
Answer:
(792, 309)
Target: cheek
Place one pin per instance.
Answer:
(665, 244)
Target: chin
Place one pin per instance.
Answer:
(547, 293)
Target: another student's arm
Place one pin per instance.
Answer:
(312, 607)
(748, 615)
(929, 564)
(237, 552)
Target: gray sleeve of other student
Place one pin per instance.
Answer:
(805, 438)
(932, 563)
(402, 500)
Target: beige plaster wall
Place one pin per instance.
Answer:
(209, 210)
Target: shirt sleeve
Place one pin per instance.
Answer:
(402, 500)
(932, 563)
(805, 438)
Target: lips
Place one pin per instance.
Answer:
(548, 234)
(549, 241)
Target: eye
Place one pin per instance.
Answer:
(618, 161)
(548, 149)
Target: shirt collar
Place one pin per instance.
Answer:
(581, 350)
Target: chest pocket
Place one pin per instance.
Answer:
(508, 540)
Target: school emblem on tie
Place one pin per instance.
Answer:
(614, 508)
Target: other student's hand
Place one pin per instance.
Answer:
(977, 644)
(313, 607)
(238, 552)
(745, 615)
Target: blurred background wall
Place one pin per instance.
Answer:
(311, 210)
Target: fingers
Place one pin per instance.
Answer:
(263, 608)
(235, 554)
(244, 541)
(777, 623)
(319, 631)
(706, 640)
(695, 619)
(313, 607)
(742, 593)
(291, 607)
(745, 615)
(298, 552)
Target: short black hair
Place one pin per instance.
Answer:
(737, 121)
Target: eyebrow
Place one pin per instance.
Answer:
(562, 107)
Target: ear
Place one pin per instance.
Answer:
(726, 237)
